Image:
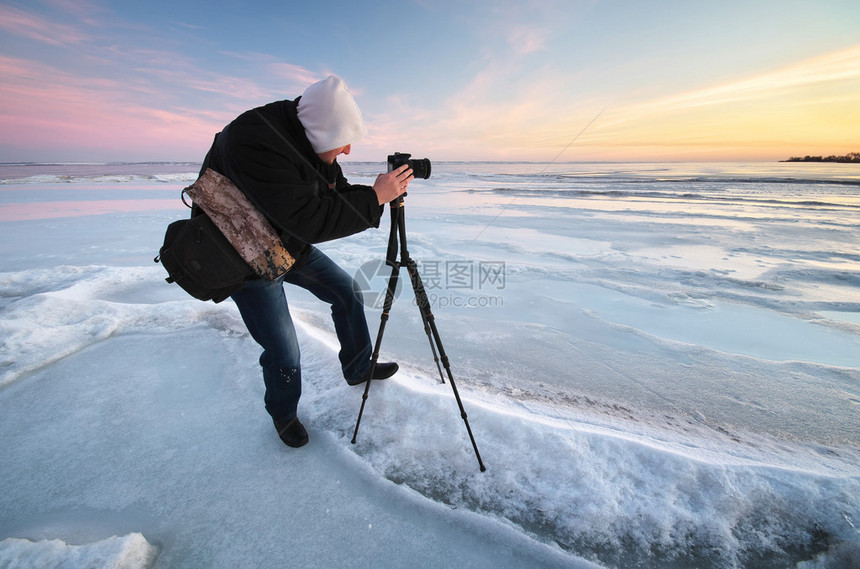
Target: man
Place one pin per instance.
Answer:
(283, 156)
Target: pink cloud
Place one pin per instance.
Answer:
(21, 23)
(294, 73)
(43, 109)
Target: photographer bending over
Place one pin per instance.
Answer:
(283, 156)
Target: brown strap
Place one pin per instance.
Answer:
(242, 224)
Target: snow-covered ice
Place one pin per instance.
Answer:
(128, 552)
(660, 365)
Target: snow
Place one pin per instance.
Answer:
(643, 390)
(128, 552)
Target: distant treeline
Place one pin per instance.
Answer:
(850, 157)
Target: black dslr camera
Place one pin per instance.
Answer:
(420, 166)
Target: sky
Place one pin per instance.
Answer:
(566, 80)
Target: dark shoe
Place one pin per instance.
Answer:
(381, 371)
(293, 433)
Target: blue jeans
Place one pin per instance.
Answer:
(263, 306)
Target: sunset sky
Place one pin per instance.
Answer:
(567, 80)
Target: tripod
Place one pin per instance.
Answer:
(398, 235)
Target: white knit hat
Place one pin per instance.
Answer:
(330, 116)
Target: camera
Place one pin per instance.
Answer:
(420, 166)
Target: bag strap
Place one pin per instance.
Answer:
(182, 196)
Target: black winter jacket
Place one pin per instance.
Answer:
(306, 200)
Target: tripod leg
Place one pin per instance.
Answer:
(422, 301)
(390, 259)
(436, 342)
(386, 309)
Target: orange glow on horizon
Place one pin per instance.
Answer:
(809, 107)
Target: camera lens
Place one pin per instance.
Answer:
(420, 168)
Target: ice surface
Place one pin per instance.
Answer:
(129, 552)
(647, 387)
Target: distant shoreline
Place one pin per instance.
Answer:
(850, 158)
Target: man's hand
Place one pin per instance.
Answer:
(393, 184)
